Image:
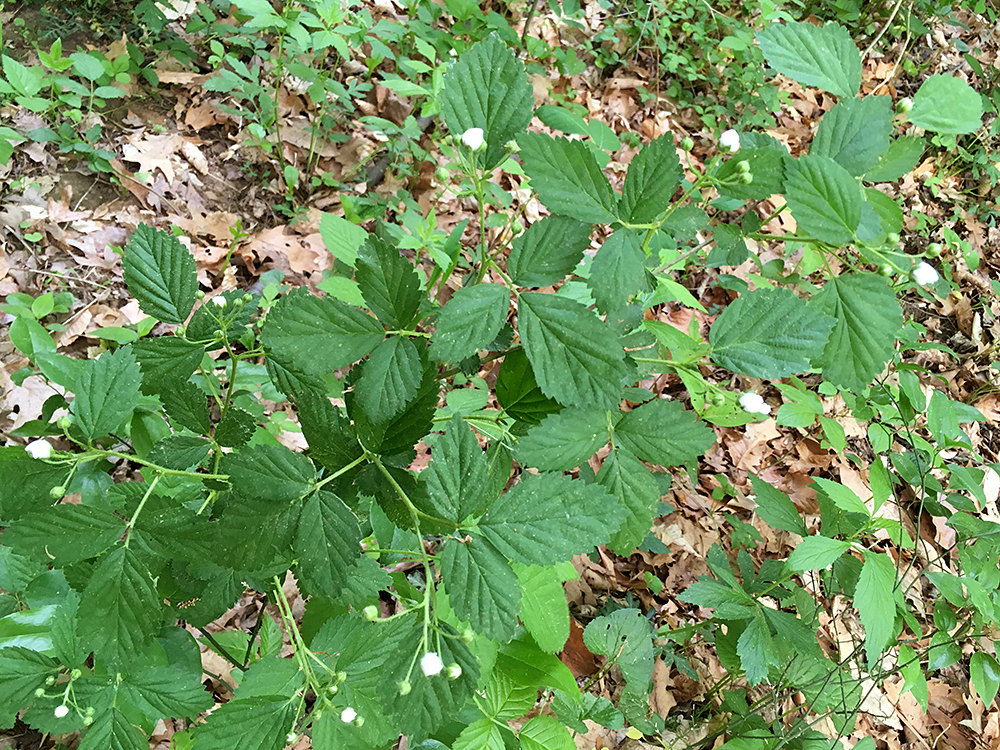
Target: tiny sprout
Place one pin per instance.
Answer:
(405, 687)
(454, 671)
(199, 294)
(687, 143)
(39, 692)
(75, 674)
(746, 178)
(61, 711)
(57, 493)
(743, 166)
(934, 250)
(371, 612)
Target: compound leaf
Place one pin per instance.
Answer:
(624, 636)
(776, 508)
(166, 359)
(901, 157)
(815, 553)
(163, 692)
(161, 274)
(65, 534)
(260, 722)
(113, 729)
(544, 609)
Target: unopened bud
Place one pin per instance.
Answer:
(57, 493)
(687, 144)
(371, 612)
(341, 676)
(180, 331)
(199, 294)
(743, 166)
(934, 250)
(468, 636)
(746, 178)
(405, 687)
(333, 689)
(359, 721)
(904, 105)
(64, 422)
(517, 226)
(75, 674)
(885, 270)
(442, 174)
(39, 692)
(88, 720)
(892, 238)
(717, 399)
(454, 671)
(50, 680)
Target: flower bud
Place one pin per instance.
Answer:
(88, 720)
(219, 301)
(717, 399)
(290, 738)
(511, 146)
(341, 676)
(247, 298)
(58, 492)
(179, 331)
(746, 178)
(75, 674)
(924, 274)
(904, 105)
(431, 664)
(454, 671)
(885, 270)
(348, 715)
(90, 711)
(892, 238)
(442, 174)
(40, 448)
(64, 422)
(61, 711)
(474, 138)
(359, 721)
(333, 689)
(405, 687)
(468, 636)
(743, 166)
(199, 294)
(933, 250)
(730, 141)
(517, 226)
(687, 144)
(39, 692)
(50, 680)
(371, 612)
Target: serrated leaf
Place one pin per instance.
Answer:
(625, 637)
(390, 380)
(112, 730)
(161, 274)
(663, 432)
(258, 723)
(518, 393)
(755, 651)
(26, 482)
(327, 545)
(900, 159)
(180, 452)
(120, 609)
(820, 56)
(816, 553)
(567, 178)
(563, 441)
(525, 664)
(766, 158)
(234, 317)
(985, 673)
(548, 251)
(855, 133)
(625, 477)
(22, 672)
(825, 199)
(545, 733)
(769, 333)
(776, 508)
(456, 479)
(331, 440)
(945, 104)
(868, 318)
(469, 322)
(487, 88)
(544, 609)
(162, 692)
(548, 518)
(652, 177)
(707, 592)
(186, 405)
(319, 334)
(842, 496)
(235, 428)
(575, 357)
(107, 393)
(65, 534)
(388, 282)
(166, 359)
(618, 271)
(876, 603)
(487, 593)
(270, 473)
(341, 237)
(482, 734)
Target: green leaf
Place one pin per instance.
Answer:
(864, 337)
(186, 405)
(525, 664)
(482, 734)
(544, 609)
(776, 508)
(113, 729)
(576, 358)
(26, 482)
(903, 155)
(390, 379)
(162, 692)
(548, 518)
(816, 553)
(766, 157)
(663, 432)
(233, 317)
(107, 393)
(456, 479)
(469, 322)
(567, 178)
(319, 334)
(754, 649)
(825, 199)
(22, 672)
(236, 428)
(260, 722)
(548, 251)
(625, 637)
(65, 534)
(180, 452)
(487, 88)
(332, 442)
(637, 490)
(563, 441)
(545, 733)
(841, 495)
(985, 673)
(270, 473)
(160, 273)
(820, 56)
(876, 602)
(618, 271)
(518, 393)
(652, 177)
(341, 237)
(945, 104)
(855, 133)
(388, 282)
(769, 333)
(487, 593)
(120, 609)
(167, 359)
(327, 545)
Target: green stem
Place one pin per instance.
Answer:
(135, 516)
(340, 472)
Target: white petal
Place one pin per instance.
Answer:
(473, 138)
(924, 274)
(431, 664)
(730, 141)
(39, 448)
(348, 715)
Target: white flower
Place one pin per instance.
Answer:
(290, 738)
(730, 141)
(924, 274)
(348, 715)
(219, 300)
(39, 448)
(754, 403)
(61, 711)
(431, 664)
(473, 138)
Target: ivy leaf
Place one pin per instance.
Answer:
(544, 609)
(563, 441)
(260, 722)
(825, 199)
(567, 178)
(576, 358)
(637, 490)
(820, 56)
(487, 593)
(120, 609)
(755, 651)
(165, 360)
(107, 393)
(113, 729)
(65, 534)
(876, 602)
(390, 379)
(469, 322)
(625, 637)
(776, 508)
(456, 479)
(863, 339)
(270, 473)
(900, 159)
(548, 518)
(653, 176)
(487, 88)
(664, 433)
(815, 553)
(945, 104)
(618, 271)
(855, 133)
(548, 251)
(769, 333)
(161, 692)
(161, 274)
(388, 282)
(518, 393)
(326, 545)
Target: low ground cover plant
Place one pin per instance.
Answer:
(182, 501)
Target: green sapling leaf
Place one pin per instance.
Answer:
(160, 273)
